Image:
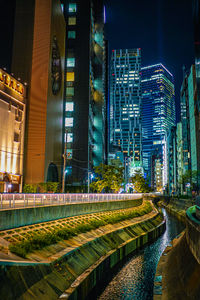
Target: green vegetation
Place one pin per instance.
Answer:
(38, 240)
(139, 183)
(191, 178)
(43, 187)
(108, 179)
(30, 188)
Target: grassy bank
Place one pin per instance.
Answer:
(40, 239)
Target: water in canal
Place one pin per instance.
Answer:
(135, 280)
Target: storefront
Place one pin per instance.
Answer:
(9, 183)
(12, 124)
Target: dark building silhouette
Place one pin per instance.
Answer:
(84, 88)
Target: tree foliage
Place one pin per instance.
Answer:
(139, 182)
(42, 187)
(30, 188)
(107, 179)
(192, 177)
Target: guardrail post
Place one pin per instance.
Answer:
(13, 200)
(1, 201)
(34, 200)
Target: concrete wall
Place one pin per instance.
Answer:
(80, 270)
(180, 273)
(193, 233)
(179, 266)
(21, 217)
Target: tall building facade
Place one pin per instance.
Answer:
(180, 161)
(125, 103)
(158, 115)
(172, 161)
(84, 116)
(38, 59)
(196, 18)
(12, 124)
(193, 119)
(184, 102)
(190, 123)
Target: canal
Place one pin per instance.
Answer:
(135, 279)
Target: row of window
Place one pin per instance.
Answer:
(70, 78)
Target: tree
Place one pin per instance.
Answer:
(191, 177)
(107, 178)
(139, 182)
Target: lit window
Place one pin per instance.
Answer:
(62, 7)
(69, 153)
(70, 76)
(71, 62)
(72, 7)
(71, 34)
(68, 170)
(69, 106)
(72, 21)
(70, 137)
(70, 91)
(69, 122)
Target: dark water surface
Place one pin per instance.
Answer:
(135, 280)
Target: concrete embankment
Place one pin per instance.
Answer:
(175, 206)
(13, 218)
(74, 273)
(178, 271)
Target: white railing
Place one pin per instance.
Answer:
(10, 201)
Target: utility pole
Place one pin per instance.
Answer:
(64, 163)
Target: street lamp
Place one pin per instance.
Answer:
(92, 176)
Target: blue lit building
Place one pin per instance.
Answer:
(158, 115)
(125, 103)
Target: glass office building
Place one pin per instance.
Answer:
(158, 114)
(125, 102)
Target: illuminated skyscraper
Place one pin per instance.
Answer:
(196, 18)
(125, 102)
(84, 88)
(158, 113)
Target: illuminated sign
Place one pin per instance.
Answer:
(5, 177)
(11, 83)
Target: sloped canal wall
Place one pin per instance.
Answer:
(77, 273)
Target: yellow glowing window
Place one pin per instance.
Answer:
(72, 21)
(70, 76)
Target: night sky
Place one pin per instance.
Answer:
(162, 28)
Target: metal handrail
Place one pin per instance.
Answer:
(21, 200)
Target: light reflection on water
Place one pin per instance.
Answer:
(135, 280)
